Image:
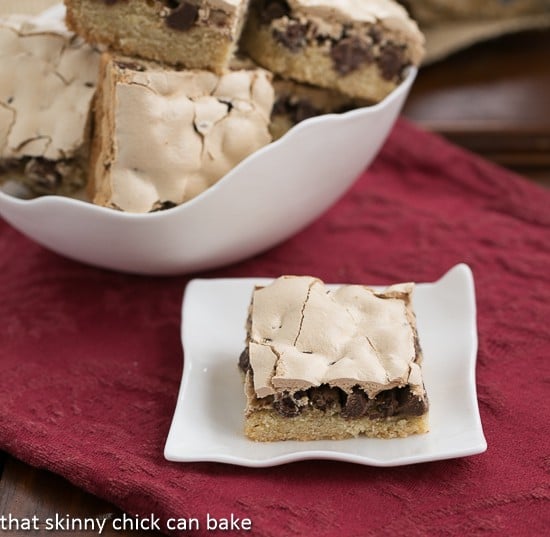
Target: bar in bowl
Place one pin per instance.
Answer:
(163, 136)
(359, 47)
(48, 79)
(195, 34)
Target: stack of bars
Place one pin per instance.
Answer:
(150, 102)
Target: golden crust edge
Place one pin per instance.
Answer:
(266, 425)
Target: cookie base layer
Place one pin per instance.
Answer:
(266, 425)
(141, 29)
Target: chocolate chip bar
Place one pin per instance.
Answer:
(164, 136)
(196, 34)
(48, 78)
(359, 47)
(323, 364)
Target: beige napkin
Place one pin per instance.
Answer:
(25, 6)
(445, 38)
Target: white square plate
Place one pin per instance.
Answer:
(208, 420)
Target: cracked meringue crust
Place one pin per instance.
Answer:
(194, 34)
(359, 48)
(164, 136)
(48, 78)
(332, 364)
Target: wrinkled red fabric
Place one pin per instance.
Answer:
(91, 361)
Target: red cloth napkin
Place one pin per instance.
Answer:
(91, 361)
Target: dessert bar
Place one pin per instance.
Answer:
(47, 82)
(322, 364)
(163, 136)
(196, 34)
(359, 47)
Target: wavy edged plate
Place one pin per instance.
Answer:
(208, 421)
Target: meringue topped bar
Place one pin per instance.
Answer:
(48, 79)
(359, 47)
(323, 364)
(164, 136)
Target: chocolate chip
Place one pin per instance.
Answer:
(287, 406)
(183, 17)
(218, 18)
(281, 107)
(304, 110)
(356, 404)
(293, 37)
(297, 110)
(349, 54)
(410, 404)
(43, 175)
(162, 206)
(391, 61)
(273, 9)
(324, 397)
(375, 34)
(385, 404)
(244, 360)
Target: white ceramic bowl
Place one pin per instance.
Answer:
(267, 198)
